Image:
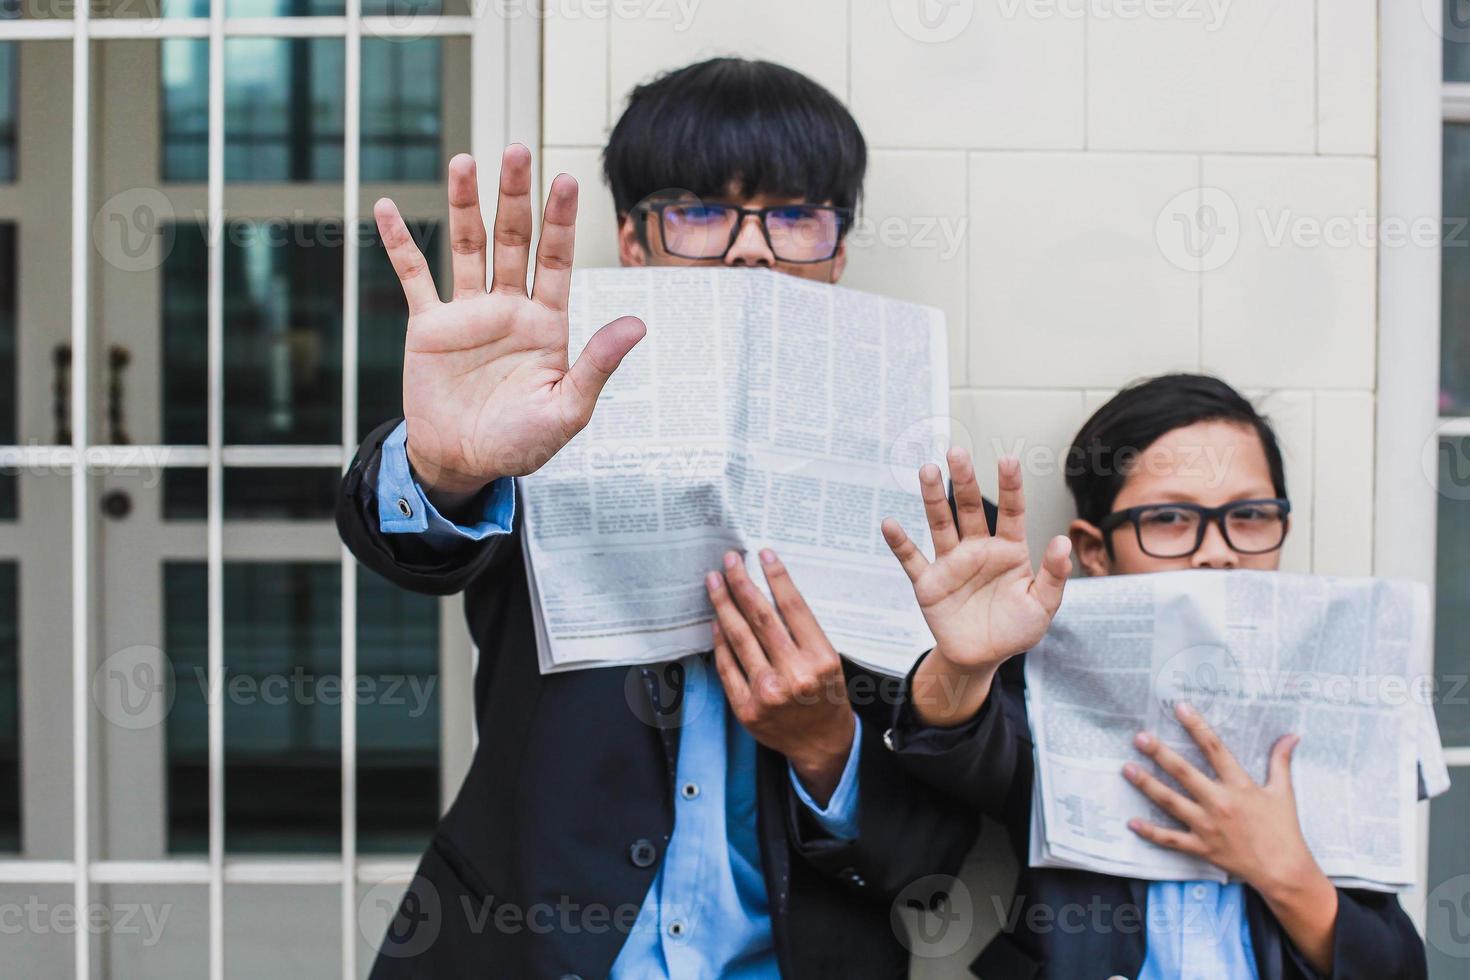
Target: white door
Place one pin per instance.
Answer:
(196, 325)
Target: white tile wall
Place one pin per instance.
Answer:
(1060, 144)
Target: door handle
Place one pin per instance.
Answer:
(61, 393)
(118, 359)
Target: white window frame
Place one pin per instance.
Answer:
(505, 54)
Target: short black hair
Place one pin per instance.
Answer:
(1100, 457)
(756, 125)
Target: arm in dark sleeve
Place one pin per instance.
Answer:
(1373, 939)
(905, 829)
(440, 566)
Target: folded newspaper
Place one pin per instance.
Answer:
(1342, 662)
(760, 411)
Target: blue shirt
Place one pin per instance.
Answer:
(1197, 930)
(707, 913)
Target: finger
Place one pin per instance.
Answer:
(1172, 802)
(1056, 567)
(737, 632)
(598, 360)
(907, 553)
(1010, 522)
(466, 227)
(1195, 783)
(513, 221)
(1220, 758)
(554, 253)
(408, 261)
(775, 639)
(968, 501)
(1278, 771)
(936, 509)
(1175, 840)
(731, 677)
(789, 602)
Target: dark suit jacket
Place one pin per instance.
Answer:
(541, 863)
(989, 762)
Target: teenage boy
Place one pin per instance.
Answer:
(599, 832)
(1146, 504)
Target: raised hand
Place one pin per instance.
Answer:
(487, 389)
(980, 597)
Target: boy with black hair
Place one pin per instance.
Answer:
(1173, 473)
(659, 822)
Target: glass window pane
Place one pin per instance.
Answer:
(397, 716)
(9, 380)
(382, 319)
(9, 709)
(1447, 914)
(283, 334)
(402, 119)
(282, 698)
(9, 67)
(184, 130)
(1455, 292)
(258, 493)
(1456, 34)
(1452, 612)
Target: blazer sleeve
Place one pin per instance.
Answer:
(905, 829)
(1373, 939)
(405, 559)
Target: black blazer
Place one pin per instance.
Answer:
(569, 802)
(989, 762)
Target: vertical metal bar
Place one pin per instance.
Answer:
(81, 529)
(214, 516)
(351, 181)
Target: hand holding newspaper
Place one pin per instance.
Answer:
(760, 411)
(1337, 661)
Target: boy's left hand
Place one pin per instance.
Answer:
(781, 675)
(1247, 829)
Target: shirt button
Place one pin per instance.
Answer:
(689, 791)
(643, 854)
(1198, 891)
(888, 740)
(404, 507)
(677, 929)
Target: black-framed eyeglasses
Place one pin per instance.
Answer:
(1250, 527)
(801, 234)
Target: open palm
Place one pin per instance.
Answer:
(487, 388)
(979, 595)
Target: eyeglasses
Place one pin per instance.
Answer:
(1250, 527)
(795, 233)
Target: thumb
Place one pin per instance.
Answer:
(599, 359)
(1278, 775)
(1056, 566)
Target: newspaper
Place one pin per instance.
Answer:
(1339, 661)
(761, 410)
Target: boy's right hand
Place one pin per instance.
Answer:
(979, 596)
(487, 389)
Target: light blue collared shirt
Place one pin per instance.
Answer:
(706, 914)
(1197, 930)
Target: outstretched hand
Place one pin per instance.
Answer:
(487, 388)
(980, 596)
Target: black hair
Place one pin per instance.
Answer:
(1100, 457)
(761, 127)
